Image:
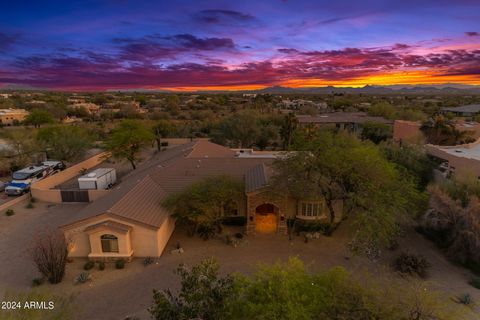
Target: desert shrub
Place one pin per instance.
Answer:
(206, 231)
(454, 227)
(9, 212)
(465, 299)
(83, 277)
(148, 261)
(308, 226)
(38, 282)
(411, 264)
(49, 253)
(475, 282)
(101, 265)
(120, 264)
(88, 265)
(33, 200)
(30, 205)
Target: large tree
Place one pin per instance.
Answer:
(287, 129)
(20, 149)
(202, 295)
(287, 291)
(442, 131)
(64, 142)
(163, 129)
(338, 167)
(240, 130)
(38, 117)
(203, 204)
(127, 141)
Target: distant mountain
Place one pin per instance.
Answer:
(445, 88)
(371, 89)
(140, 90)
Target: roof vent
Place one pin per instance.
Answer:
(91, 174)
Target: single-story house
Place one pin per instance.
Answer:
(130, 221)
(352, 121)
(470, 110)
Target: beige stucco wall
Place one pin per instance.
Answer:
(43, 190)
(462, 165)
(164, 234)
(10, 117)
(145, 241)
(408, 132)
(124, 243)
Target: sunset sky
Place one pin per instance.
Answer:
(190, 45)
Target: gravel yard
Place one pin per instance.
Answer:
(116, 294)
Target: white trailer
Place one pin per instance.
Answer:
(101, 178)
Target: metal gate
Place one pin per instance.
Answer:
(75, 196)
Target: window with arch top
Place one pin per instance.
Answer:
(109, 243)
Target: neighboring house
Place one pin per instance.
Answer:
(130, 220)
(351, 121)
(410, 131)
(299, 103)
(91, 108)
(10, 117)
(470, 110)
(461, 160)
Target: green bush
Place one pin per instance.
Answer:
(120, 264)
(475, 282)
(206, 231)
(411, 264)
(147, 261)
(101, 265)
(37, 282)
(88, 265)
(311, 226)
(9, 212)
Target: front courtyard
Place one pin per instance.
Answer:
(106, 296)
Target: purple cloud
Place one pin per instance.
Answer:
(472, 33)
(191, 42)
(222, 16)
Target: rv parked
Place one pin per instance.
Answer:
(23, 179)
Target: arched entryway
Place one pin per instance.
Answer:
(266, 218)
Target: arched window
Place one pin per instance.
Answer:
(109, 243)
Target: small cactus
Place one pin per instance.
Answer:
(147, 261)
(82, 277)
(465, 299)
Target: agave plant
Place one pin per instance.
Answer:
(82, 277)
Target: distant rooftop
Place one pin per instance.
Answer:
(341, 117)
(12, 111)
(471, 108)
(469, 153)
